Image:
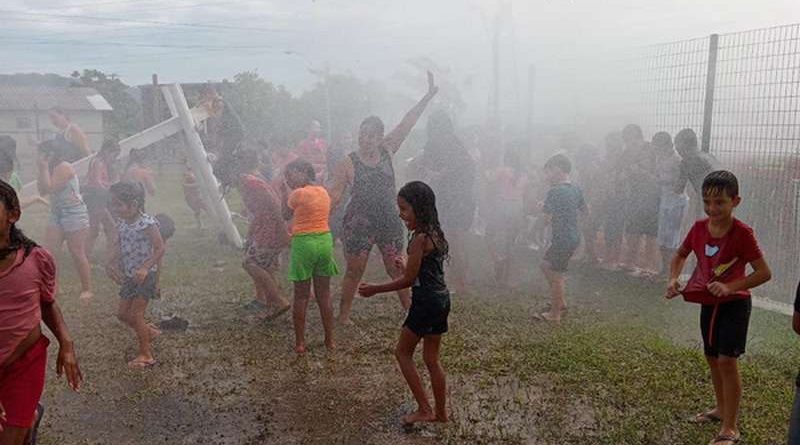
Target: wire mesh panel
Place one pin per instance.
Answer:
(756, 134)
(671, 80)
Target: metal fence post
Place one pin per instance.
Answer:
(711, 77)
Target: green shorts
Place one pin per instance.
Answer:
(312, 256)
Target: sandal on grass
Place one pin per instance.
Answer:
(546, 316)
(726, 439)
(706, 417)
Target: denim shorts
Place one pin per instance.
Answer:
(147, 290)
(70, 219)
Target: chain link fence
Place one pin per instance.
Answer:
(741, 94)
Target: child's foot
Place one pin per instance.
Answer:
(442, 418)
(418, 416)
(330, 344)
(726, 438)
(86, 295)
(346, 321)
(710, 416)
(300, 349)
(142, 362)
(273, 314)
(548, 316)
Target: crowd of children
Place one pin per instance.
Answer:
(635, 208)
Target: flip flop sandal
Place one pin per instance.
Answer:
(726, 438)
(706, 417)
(544, 316)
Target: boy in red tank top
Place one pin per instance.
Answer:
(723, 246)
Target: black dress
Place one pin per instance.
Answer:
(430, 299)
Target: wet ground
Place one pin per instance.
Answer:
(230, 379)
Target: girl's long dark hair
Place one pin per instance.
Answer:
(423, 201)
(17, 239)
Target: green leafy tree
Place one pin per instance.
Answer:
(124, 120)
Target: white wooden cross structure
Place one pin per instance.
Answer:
(183, 120)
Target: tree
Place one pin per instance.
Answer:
(123, 121)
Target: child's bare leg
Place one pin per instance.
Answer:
(253, 270)
(272, 289)
(302, 293)
(557, 300)
(139, 325)
(124, 311)
(76, 243)
(405, 358)
(430, 350)
(731, 394)
(396, 272)
(322, 291)
(355, 270)
(13, 436)
(716, 379)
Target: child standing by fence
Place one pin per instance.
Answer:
(430, 299)
(311, 251)
(135, 257)
(723, 246)
(561, 208)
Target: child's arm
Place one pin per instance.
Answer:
(50, 183)
(395, 138)
(675, 269)
(415, 253)
(158, 251)
(760, 275)
(149, 182)
(342, 178)
(67, 362)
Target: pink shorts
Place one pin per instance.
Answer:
(22, 383)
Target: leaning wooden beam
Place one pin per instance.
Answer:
(199, 159)
(142, 139)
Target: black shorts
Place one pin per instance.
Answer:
(147, 290)
(428, 313)
(558, 256)
(728, 336)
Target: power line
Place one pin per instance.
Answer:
(138, 21)
(25, 42)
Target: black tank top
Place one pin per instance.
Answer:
(431, 272)
(373, 193)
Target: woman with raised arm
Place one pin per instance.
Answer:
(371, 217)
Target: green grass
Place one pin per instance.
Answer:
(625, 367)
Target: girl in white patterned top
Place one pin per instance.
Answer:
(136, 254)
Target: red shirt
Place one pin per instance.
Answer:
(267, 227)
(737, 248)
(24, 286)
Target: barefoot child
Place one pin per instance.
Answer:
(561, 208)
(27, 298)
(723, 246)
(192, 193)
(430, 299)
(312, 250)
(135, 256)
(267, 236)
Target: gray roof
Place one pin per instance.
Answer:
(14, 97)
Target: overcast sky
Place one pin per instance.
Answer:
(197, 40)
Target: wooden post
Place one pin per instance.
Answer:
(198, 157)
(711, 77)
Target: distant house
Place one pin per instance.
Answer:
(23, 116)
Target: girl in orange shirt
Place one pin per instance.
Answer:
(311, 250)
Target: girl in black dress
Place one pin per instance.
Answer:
(430, 299)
